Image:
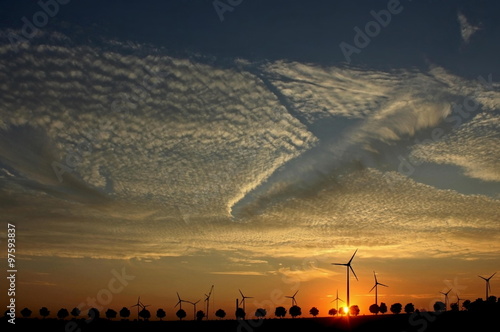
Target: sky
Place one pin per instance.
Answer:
(155, 147)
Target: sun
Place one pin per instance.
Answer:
(346, 310)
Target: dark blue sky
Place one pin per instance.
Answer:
(308, 31)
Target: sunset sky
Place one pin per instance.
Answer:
(155, 147)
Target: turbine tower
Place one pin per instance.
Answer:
(207, 298)
(488, 287)
(337, 299)
(376, 287)
(446, 299)
(194, 308)
(348, 267)
(243, 297)
(294, 302)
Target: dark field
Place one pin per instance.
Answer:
(430, 321)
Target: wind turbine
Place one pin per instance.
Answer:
(488, 287)
(179, 303)
(243, 297)
(337, 299)
(376, 287)
(446, 299)
(138, 305)
(294, 302)
(194, 308)
(458, 302)
(348, 266)
(207, 298)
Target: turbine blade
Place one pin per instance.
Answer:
(352, 257)
(372, 288)
(178, 296)
(241, 293)
(295, 294)
(354, 272)
(483, 278)
(339, 264)
(375, 276)
(492, 276)
(382, 285)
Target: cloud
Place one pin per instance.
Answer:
(466, 29)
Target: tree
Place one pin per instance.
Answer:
(314, 311)
(75, 312)
(200, 315)
(374, 309)
(466, 304)
(295, 311)
(383, 307)
(240, 313)
(180, 314)
(439, 306)
(280, 312)
(124, 313)
(260, 313)
(160, 313)
(145, 314)
(110, 314)
(220, 313)
(26, 313)
(409, 308)
(396, 308)
(332, 311)
(94, 314)
(354, 310)
(62, 313)
(342, 311)
(454, 307)
(44, 312)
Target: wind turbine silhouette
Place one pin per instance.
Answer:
(458, 302)
(337, 299)
(179, 303)
(376, 287)
(294, 302)
(348, 266)
(194, 308)
(446, 299)
(207, 298)
(488, 287)
(138, 305)
(243, 297)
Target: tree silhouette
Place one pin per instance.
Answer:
(75, 312)
(332, 311)
(110, 314)
(295, 311)
(200, 315)
(409, 308)
(160, 313)
(342, 311)
(454, 307)
(180, 314)
(354, 310)
(124, 313)
(314, 311)
(220, 313)
(240, 313)
(62, 313)
(26, 313)
(280, 312)
(145, 314)
(44, 312)
(260, 313)
(396, 308)
(383, 307)
(94, 314)
(466, 304)
(374, 309)
(439, 306)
